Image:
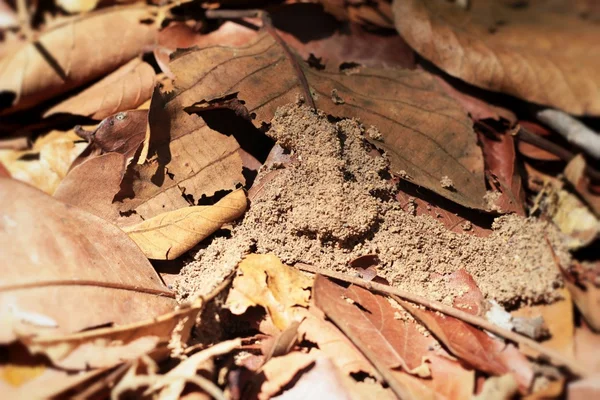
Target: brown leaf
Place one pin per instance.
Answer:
(534, 152)
(263, 280)
(376, 12)
(92, 185)
(586, 348)
(182, 160)
(55, 255)
(280, 371)
(582, 282)
(470, 344)
(495, 46)
(395, 342)
(584, 389)
(499, 154)
(171, 234)
(428, 136)
(125, 89)
(74, 53)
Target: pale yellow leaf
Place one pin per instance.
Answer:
(263, 280)
(169, 235)
(77, 6)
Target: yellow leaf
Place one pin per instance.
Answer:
(77, 6)
(169, 235)
(263, 280)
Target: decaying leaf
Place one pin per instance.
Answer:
(125, 89)
(423, 131)
(263, 280)
(544, 52)
(55, 255)
(376, 12)
(582, 282)
(69, 55)
(169, 235)
(46, 164)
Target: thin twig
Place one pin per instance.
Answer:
(270, 29)
(572, 129)
(553, 356)
(562, 153)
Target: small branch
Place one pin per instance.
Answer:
(552, 356)
(270, 29)
(573, 130)
(562, 153)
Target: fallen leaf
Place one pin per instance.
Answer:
(575, 174)
(126, 88)
(412, 130)
(533, 152)
(92, 185)
(77, 6)
(376, 12)
(586, 346)
(169, 235)
(498, 388)
(584, 389)
(263, 280)
(46, 164)
(472, 345)
(74, 53)
(280, 371)
(582, 282)
(496, 46)
(558, 318)
(500, 159)
(372, 323)
(54, 255)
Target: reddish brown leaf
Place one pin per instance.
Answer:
(531, 151)
(74, 53)
(125, 89)
(370, 12)
(500, 160)
(470, 344)
(376, 325)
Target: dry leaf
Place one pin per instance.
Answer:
(372, 323)
(543, 52)
(583, 285)
(470, 344)
(92, 185)
(426, 134)
(370, 12)
(47, 163)
(587, 344)
(280, 371)
(584, 389)
(263, 280)
(74, 53)
(558, 318)
(55, 255)
(575, 174)
(169, 235)
(125, 89)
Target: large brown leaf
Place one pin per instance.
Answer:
(74, 53)
(425, 133)
(543, 52)
(55, 255)
(125, 89)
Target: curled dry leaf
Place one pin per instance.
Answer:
(496, 46)
(169, 235)
(426, 134)
(68, 55)
(263, 280)
(46, 164)
(125, 89)
(55, 255)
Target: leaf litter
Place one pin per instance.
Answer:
(334, 204)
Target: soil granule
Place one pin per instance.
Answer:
(332, 203)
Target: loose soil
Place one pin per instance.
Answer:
(333, 203)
